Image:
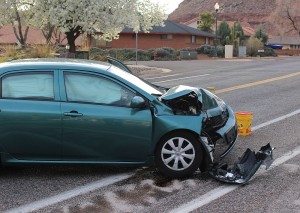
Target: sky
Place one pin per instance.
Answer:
(170, 5)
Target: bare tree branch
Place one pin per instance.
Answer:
(292, 20)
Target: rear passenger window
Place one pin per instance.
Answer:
(28, 86)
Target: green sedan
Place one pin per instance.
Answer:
(66, 111)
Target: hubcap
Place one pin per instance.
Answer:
(178, 153)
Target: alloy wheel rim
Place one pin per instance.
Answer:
(178, 153)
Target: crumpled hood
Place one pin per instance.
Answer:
(180, 91)
(183, 100)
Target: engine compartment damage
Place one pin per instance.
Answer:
(183, 100)
(242, 171)
(186, 105)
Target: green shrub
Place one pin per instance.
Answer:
(164, 53)
(253, 45)
(220, 51)
(268, 52)
(169, 50)
(143, 55)
(189, 49)
(204, 49)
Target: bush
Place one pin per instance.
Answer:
(189, 49)
(210, 50)
(253, 45)
(268, 52)
(41, 51)
(4, 59)
(220, 51)
(164, 53)
(143, 55)
(10, 51)
(204, 49)
(98, 54)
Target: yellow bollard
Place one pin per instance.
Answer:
(244, 121)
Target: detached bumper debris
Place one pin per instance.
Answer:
(241, 172)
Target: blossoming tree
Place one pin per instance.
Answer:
(17, 13)
(109, 17)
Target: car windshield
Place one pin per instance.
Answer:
(147, 87)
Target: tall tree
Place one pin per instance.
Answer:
(76, 17)
(237, 34)
(17, 13)
(261, 35)
(240, 32)
(206, 21)
(224, 32)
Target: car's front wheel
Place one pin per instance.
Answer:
(178, 154)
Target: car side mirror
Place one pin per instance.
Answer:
(137, 102)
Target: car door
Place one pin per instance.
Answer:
(30, 118)
(98, 123)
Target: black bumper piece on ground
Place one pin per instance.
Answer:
(241, 172)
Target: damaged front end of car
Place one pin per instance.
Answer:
(218, 123)
(218, 134)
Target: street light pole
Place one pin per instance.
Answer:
(136, 48)
(217, 7)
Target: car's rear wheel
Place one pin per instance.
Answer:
(178, 154)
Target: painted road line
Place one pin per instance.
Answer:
(70, 194)
(223, 190)
(275, 120)
(165, 76)
(256, 83)
(177, 79)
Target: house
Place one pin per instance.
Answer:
(174, 35)
(288, 42)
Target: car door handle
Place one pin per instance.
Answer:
(73, 114)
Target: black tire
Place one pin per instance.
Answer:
(174, 162)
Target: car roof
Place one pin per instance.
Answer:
(53, 63)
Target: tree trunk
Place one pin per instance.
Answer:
(21, 37)
(72, 35)
(47, 32)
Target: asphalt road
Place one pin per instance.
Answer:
(269, 88)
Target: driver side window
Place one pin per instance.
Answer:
(95, 89)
